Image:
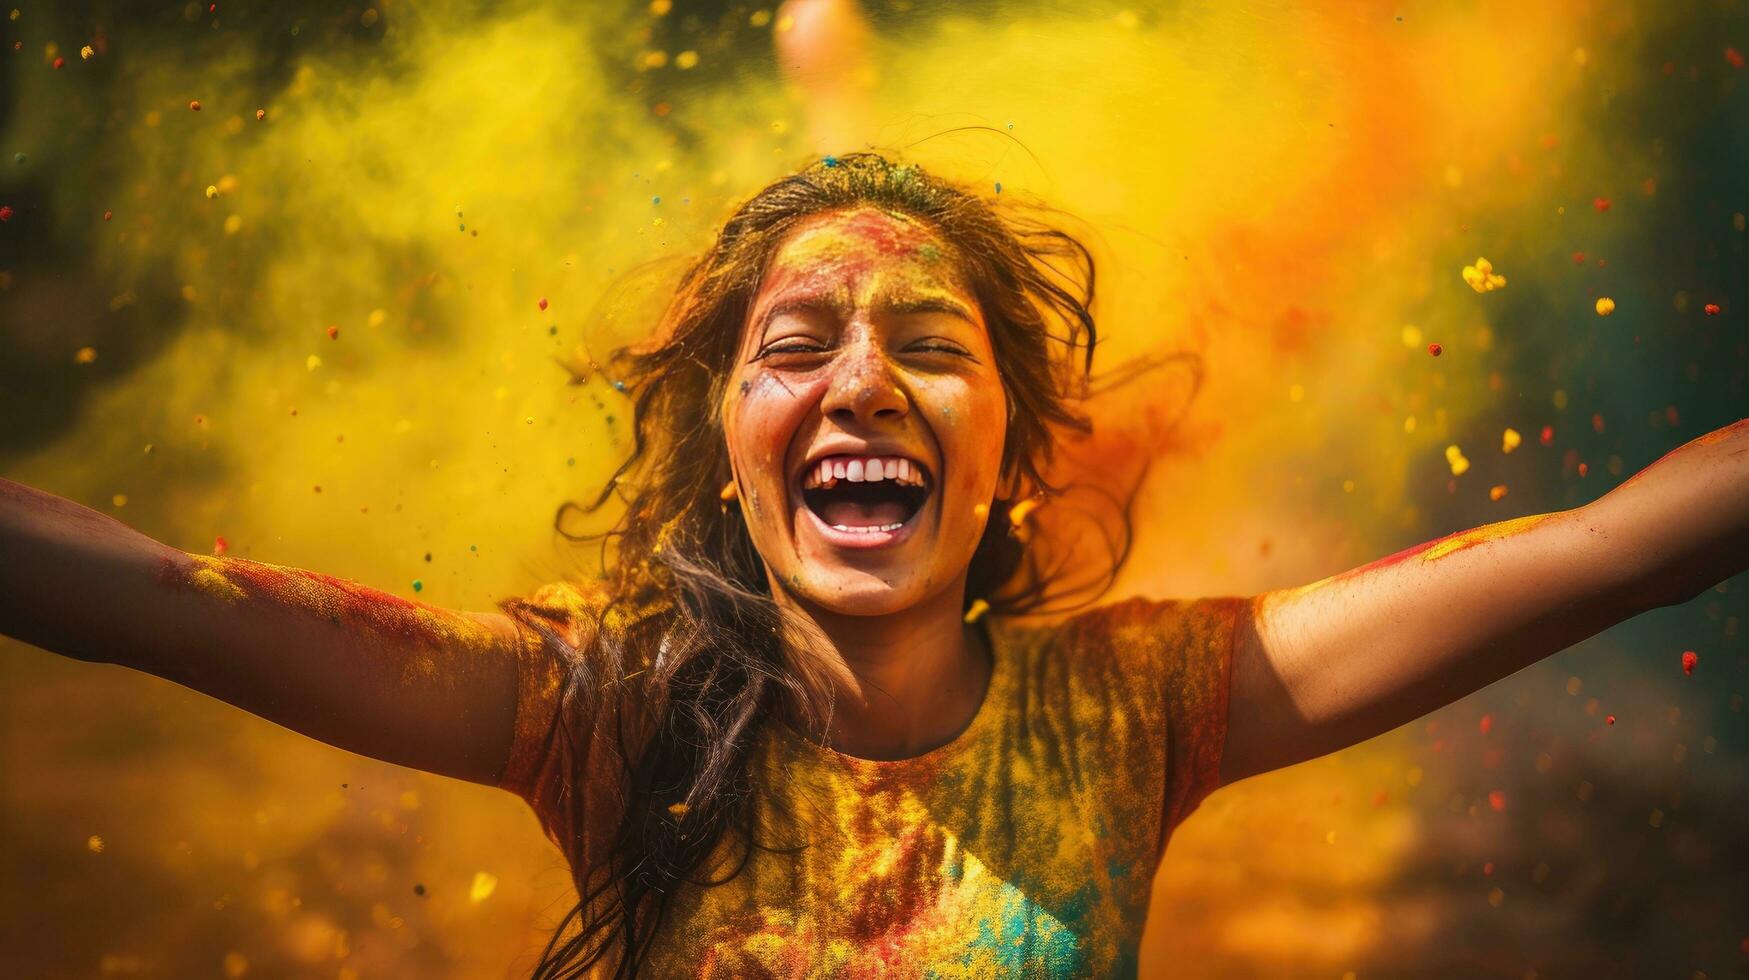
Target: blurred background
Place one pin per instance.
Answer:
(319, 318)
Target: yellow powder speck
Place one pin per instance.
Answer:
(784, 23)
(1482, 277)
(236, 964)
(312, 362)
(1411, 336)
(483, 885)
(686, 59)
(759, 19)
(212, 191)
(1409, 424)
(1496, 492)
(1455, 458)
(1296, 393)
(976, 611)
(85, 355)
(1510, 440)
(120, 500)
(233, 224)
(660, 8)
(1605, 306)
(94, 844)
(86, 52)
(377, 317)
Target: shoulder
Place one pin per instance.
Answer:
(1158, 630)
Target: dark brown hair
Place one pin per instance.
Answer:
(689, 615)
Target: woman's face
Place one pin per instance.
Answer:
(865, 417)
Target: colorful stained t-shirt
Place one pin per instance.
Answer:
(1026, 846)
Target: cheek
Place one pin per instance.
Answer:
(760, 422)
(970, 422)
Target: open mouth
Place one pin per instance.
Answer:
(865, 494)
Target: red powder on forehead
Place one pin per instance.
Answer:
(889, 234)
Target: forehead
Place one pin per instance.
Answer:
(859, 249)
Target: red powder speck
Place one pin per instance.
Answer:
(1435, 349)
(1671, 415)
(220, 546)
(1487, 724)
(1488, 869)
(59, 62)
(1584, 469)
(108, 215)
(1497, 800)
(1548, 434)
(194, 105)
(1712, 309)
(543, 303)
(1578, 258)
(1689, 660)
(333, 333)
(5, 213)
(1735, 57)
(1597, 422)
(1610, 720)
(1600, 203)
(200, 420)
(1381, 797)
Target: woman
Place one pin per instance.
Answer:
(792, 727)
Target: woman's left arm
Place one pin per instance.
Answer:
(1327, 665)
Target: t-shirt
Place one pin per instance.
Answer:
(1025, 846)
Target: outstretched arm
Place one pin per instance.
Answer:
(359, 669)
(1327, 665)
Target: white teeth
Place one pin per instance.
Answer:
(868, 530)
(863, 470)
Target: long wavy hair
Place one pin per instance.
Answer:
(685, 662)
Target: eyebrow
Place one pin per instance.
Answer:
(888, 306)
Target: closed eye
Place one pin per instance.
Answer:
(792, 346)
(940, 346)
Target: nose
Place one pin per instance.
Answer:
(864, 388)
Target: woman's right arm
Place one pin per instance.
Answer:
(363, 670)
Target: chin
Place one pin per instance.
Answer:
(849, 592)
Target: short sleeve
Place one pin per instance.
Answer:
(547, 746)
(1188, 645)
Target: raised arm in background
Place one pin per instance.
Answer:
(363, 670)
(1324, 666)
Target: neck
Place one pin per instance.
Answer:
(904, 683)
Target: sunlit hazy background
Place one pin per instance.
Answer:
(307, 319)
